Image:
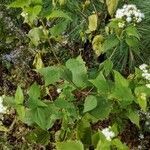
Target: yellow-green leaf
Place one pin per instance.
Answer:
(111, 6)
(92, 22)
(142, 101)
(97, 44)
(38, 63)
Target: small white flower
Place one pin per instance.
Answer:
(128, 14)
(139, 20)
(142, 15)
(148, 85)
(125, 6)
(108, 133)
(143, 66)
(58, 91)
(121, 25)
(146, 76)
(139, 147)
(128, 19)
(141, 136)
(147, 123)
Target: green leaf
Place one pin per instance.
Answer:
(103, 145)
(119, 145)
(51, 74)
(120, 80)
(90, 103)
(132, 41)
(92, 22)
(20, 111)
(96, 138)
(142, 102)
(19, 98)
(33, 12)
(69, 145)
(35, 35)
(110, 43)
(141, 94)
(102, 110)
(132, 31)
(39, 136)
(78, 70)
(58, 14)
(39, 117)
(84, 131)
(101, 84)
(63, 104)
(142, 89)
(58, 29)
(34, 91)
(108, 66)
(34, 95)
(20, 3)
(123, 95)
(121, 91)
(133, 116)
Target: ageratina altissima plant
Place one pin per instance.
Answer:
(145, 73)
(129, 14)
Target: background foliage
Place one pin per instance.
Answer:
(67, 73)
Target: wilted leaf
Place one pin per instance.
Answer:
(97, 44)
(92, 22)
(111, 6)
(38, 63)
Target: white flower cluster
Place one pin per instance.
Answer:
(2, 107)
(108, 133)
(130, 13)
(145, 73)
